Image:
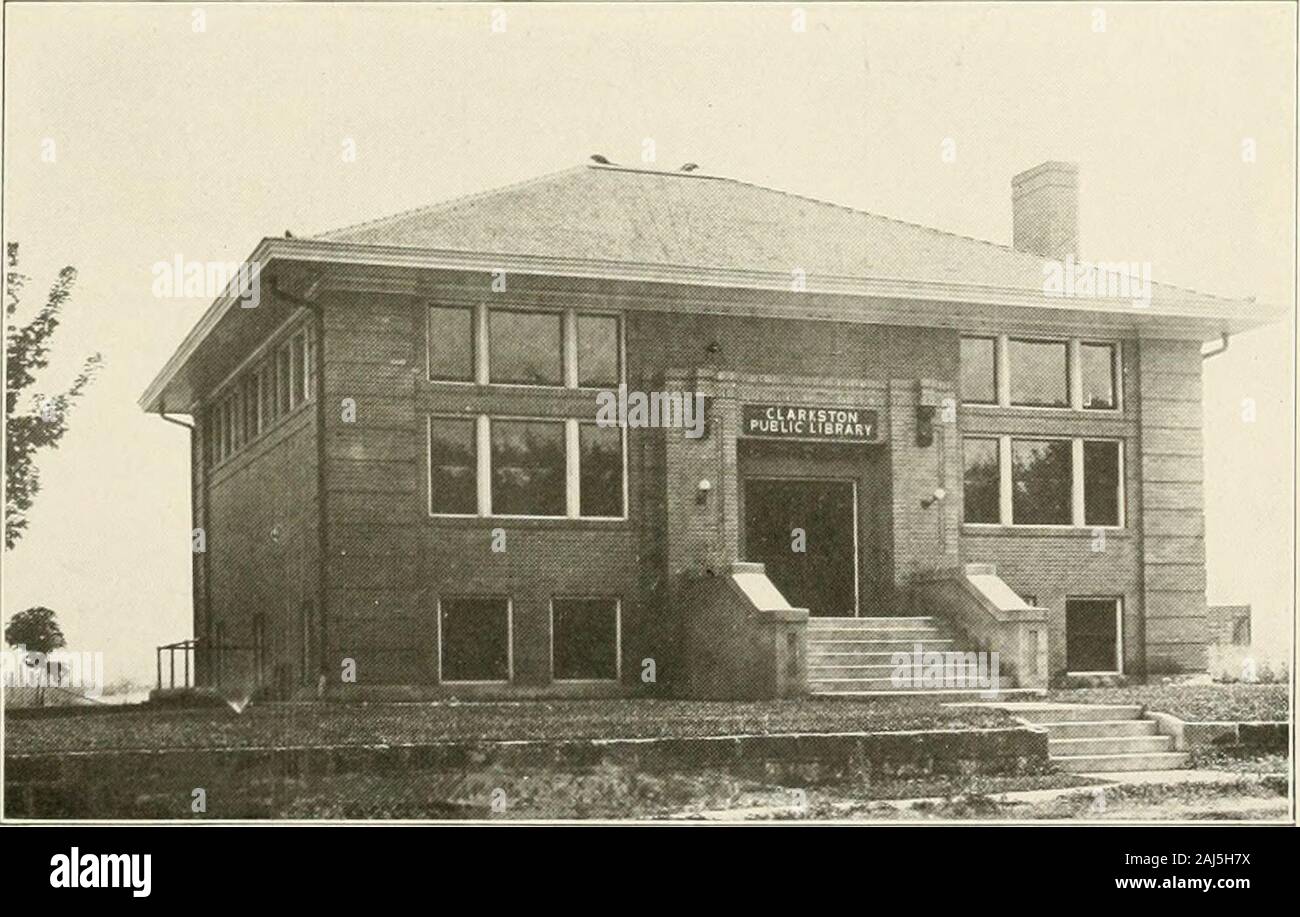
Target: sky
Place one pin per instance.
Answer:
(169, 138)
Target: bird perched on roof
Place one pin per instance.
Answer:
(596, 157)
(689, 167)
(287, 234)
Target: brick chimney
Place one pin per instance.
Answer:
(1045, 210)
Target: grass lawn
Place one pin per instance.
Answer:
(392, 723)
(1237, 703)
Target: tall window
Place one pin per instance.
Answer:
(451, 343)
(600, 467)
(526, 348)
(979, 377)
(1102, 491)
(1039, 373)
(474, 639)
(584, 639)
(1041, 482)
(528, 468)
(598, 355)
(301, 371)
(980, 491)
(1097, 370)
(284, 381)
(453, 466)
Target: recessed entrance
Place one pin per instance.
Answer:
(805, 532)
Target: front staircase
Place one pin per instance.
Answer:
(851, 656)
(1093, 739)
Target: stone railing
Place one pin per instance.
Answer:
(976, 602)
(744, 641)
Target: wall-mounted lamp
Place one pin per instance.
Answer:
(925, 424)
(702, 491)
(939, 494)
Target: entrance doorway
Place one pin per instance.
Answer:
(805, 532)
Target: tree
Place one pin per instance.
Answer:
(27, 351)
(35, 630)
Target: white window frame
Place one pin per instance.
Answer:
(477, 321)
(1119, 630)
(618, 639)
(482, 344)
(1078, 483)
(428, 463)
(569, 465)
(510, 641)
(483, 468)
(1074, 374)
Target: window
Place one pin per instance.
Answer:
(982, 480)
(979, 377)
(526, 348)
(452, 466)
(1040, 482)
(1039, 373)
(301, 371)
(1097, 366)
(269, 413)
(252, 411)
(600, 470)
(598, 351)
(1102, 491)
(528, 468)
(474, 639)
(451, 344)
(585, 639)
(1092, 634)
(284, 375)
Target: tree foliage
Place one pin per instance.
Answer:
(35, 630)
(45, 420)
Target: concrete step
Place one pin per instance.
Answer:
(1113, 728)
(885, 685)
(855, 644)
(915, 634)
(849, 668)
(952, 695)
(1108, 745)
(1073, 713)
(849, 657)
(1142, 761)
(876, 623)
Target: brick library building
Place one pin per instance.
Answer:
(836, 436)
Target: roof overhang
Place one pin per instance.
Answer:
(1174, 314)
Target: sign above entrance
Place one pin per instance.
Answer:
(783, 421)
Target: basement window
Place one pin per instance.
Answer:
(1092, 635)
(474, 640)
(585, 639)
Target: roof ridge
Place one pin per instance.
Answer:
(446, 204)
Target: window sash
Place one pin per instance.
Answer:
(1028, 393)
(445, 363)
(1110, 366)
(586, 639)
(967, 375)
(1084, 501)
(438, 485)
(510, 343)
